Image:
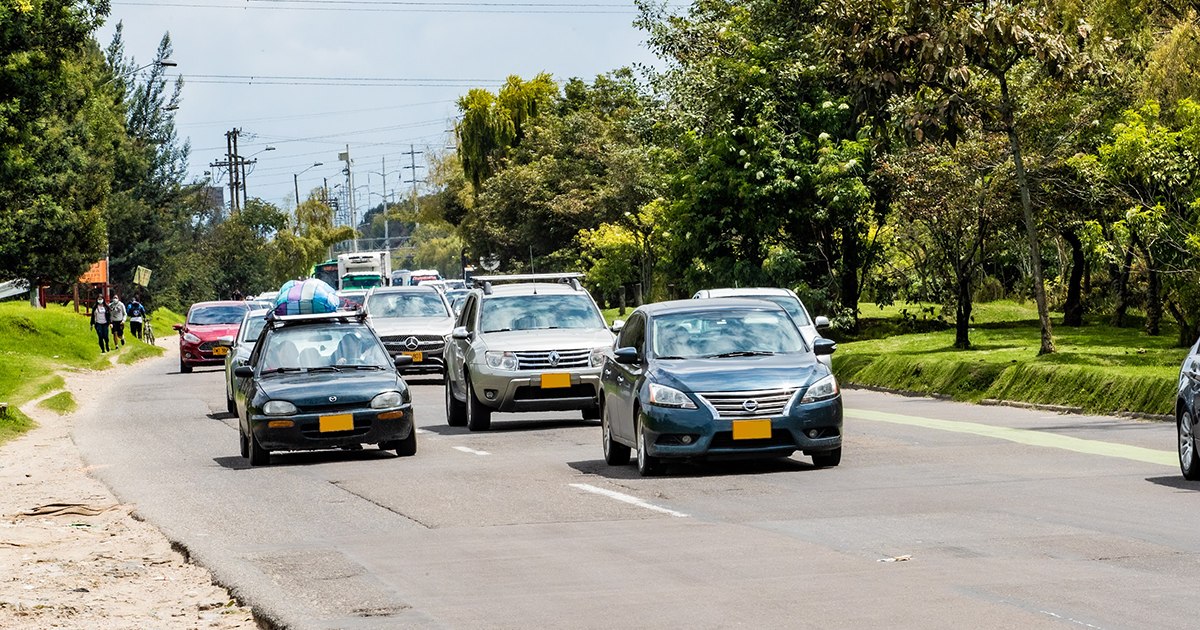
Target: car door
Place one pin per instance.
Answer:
(456, 349)
(626, 379)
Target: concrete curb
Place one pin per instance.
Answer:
(993, 402)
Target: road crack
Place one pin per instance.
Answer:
(339, 486)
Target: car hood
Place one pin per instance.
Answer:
(552, 339)
(392, 326)
(733, 374)
(309, 390)
(208, 333)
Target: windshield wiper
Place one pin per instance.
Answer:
(741, 353)
(364, 367)
(669, 358)
(499, 330)
(325, 368)
(282, 369)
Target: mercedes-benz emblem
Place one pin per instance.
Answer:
(750, 405)
(554, 358)
(412, 343)
(333, 399)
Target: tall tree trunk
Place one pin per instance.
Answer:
(851, 256)
(1031, 228)
(1073, 309)
(962, 310)
(1122, 286)
(1154, 306)
(1188, 331)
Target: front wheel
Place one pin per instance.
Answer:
(479, 416)
(243, 442)
(184, 368)
(259, 456)
(404, 448)
(615, 453)
(230, 405)
(456, 411)
(828, 459)
(1189, 459)
(647, 464)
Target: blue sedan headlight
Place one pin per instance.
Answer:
(823, 389)
(663, 396)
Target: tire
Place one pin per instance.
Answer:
(184, 368)
(243, 443)
(592, 413)
(828, 459)
(230, 405)
(615, 453)
(1189, 458)
(259, 456)
(404, 448)
(456, 411)
(647, 464)
(479, 416)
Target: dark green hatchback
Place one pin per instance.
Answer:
(321, 382)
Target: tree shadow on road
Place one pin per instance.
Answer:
(1175, 481)
(693, 469)
(513, 426)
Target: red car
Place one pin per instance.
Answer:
(206, 322)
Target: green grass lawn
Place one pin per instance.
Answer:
(1099, 368)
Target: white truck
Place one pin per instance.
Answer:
(363, 270)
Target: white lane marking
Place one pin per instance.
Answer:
(467, 449)
(1074, 621)
(625, 498)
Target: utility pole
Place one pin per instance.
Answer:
(350, 195)
(412, 160)
(236, 167)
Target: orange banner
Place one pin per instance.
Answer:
(98, 274)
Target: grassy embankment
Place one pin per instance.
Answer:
(1098, 368)
(38, 345)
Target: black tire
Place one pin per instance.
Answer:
(456, 410)
(230, 405)
(1189, 458)
(615, 453)
(479, 415)
(828, 459)
(592, 413)
(259, 456)
(184, 368)
(243, 443)
(647, 464)
(404, 448)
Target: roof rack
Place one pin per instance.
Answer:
(486, 282)
(338, 314)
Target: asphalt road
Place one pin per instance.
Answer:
(941, 515)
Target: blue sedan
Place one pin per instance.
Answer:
(717, 378)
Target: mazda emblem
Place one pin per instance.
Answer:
(554, 358)
(750, 405)
(412, 343)
(333, 399)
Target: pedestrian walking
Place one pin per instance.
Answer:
(137, 315)
(100, 321)
(116, 315)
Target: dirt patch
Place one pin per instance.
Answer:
(72, 557)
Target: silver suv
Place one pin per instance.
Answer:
(412, 321)
(535, 345)
(810, 328)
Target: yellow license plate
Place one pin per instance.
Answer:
(220, 351)
(341, 422)
(751, 429)
(552, 381)
(417, 356)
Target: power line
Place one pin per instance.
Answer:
(315, 114)
(410, 7)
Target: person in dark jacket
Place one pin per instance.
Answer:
(137, 315)
(100, 322)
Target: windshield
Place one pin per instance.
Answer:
(725, 333)
(408, 304)
(790, 303)
(251, 328)
(319, 346)
(214, 315)
(539, 312)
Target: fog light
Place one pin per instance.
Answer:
(687, 439)
(814, 433)
(489, 394)
(281, 424)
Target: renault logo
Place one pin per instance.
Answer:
(412, 343)
(554, 358)
(333, 399)
(750, 405)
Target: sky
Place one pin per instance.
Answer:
(377, 75)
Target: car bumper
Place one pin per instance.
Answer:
(508, 391)
(193, 355)
(713, 437)
(305, 432)
(428, 365)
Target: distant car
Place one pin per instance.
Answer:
(811, 328)
(457, 297)
(536, 344)
(240, 347)
(1187, 405)
(698, 379)
(205, 323)
(319, 382)
(413, 321)
(352, 299)
(444, 286)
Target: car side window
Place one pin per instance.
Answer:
(633, 335)
(467, 317)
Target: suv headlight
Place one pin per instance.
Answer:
(597, 357)
(823, 389)
(190, 338)
(506, 361)
(387, 400)
(279, 408)
(663, 396)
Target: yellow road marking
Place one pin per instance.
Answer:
(1026, 436)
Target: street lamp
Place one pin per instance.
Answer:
(296, 177)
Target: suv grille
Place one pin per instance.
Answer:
(430, 344)
(766, 402)
(542, 360)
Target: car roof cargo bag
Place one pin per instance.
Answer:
(305, 298)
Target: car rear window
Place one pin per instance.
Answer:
(252, 328)
(409, 304)
(711, 333)
(214, 315)
(539, 312)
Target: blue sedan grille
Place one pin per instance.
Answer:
(757, 403)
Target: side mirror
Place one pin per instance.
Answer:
(821, 322)
(177, 326)
(402, 360)
(225, 341)
(461, 333)
(243, 371)
(627, 356)
(823, 346)
(617, 325)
